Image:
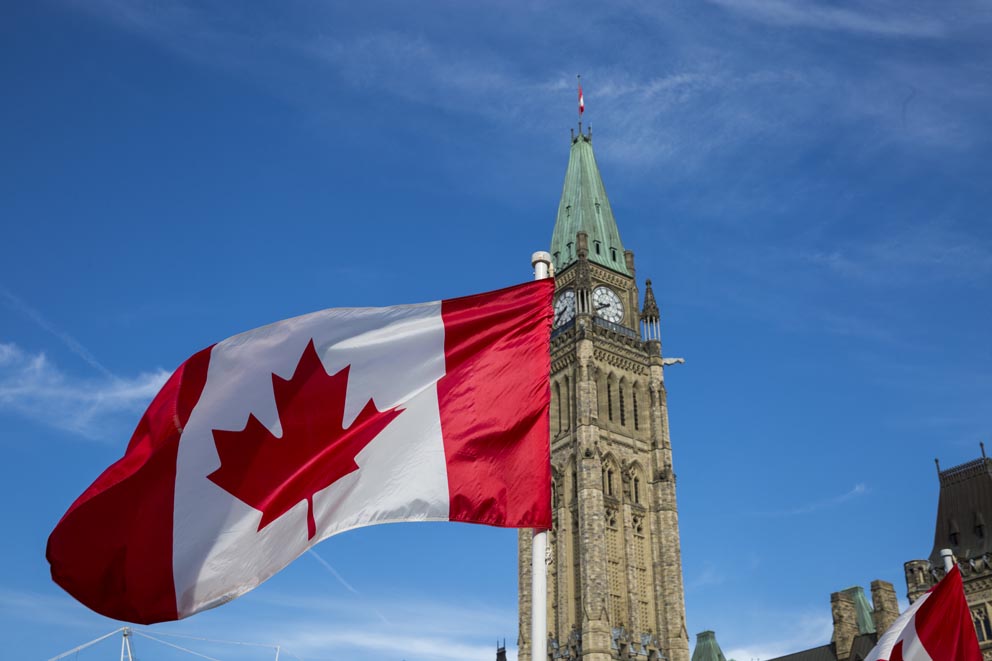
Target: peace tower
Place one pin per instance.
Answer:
(615, 568)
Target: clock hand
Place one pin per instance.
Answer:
(602, 305)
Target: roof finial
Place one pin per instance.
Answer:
(982, 445)
(936, 460)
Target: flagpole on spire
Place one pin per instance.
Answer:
(582, 102)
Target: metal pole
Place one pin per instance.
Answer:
(541, 261)
(948, 557)
(127, 641)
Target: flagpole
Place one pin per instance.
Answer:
(578, 77)
(541, 261)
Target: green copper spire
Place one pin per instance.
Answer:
(585, 208)
(707, 649)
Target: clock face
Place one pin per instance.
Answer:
(564, 307)
(607, 304)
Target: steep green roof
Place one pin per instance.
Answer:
(584, 207)
(863, 609)
(707, 649)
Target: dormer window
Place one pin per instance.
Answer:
(597, 245)
(569, 246)
(613, 254)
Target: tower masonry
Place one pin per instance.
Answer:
(615, 569)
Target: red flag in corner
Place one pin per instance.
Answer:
(582, 100)
(266, 443)
(937, 627)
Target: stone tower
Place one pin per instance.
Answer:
(963, 507)
(615, 570)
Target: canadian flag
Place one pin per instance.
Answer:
(268, 442)
(582, 100)
(937, 627)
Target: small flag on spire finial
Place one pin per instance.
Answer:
(582, 99)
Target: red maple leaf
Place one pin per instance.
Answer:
(273, 474)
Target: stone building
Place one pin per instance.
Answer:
(615, 569)
(964, 506)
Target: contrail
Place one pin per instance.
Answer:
(334, 572)
(346, 584)
(69, 341)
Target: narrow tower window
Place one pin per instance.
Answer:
(633, 394)
(609, 482)
(609, 400)
(623, 412)
(558, 405)
(637, 490)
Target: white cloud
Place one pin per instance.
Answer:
(32, 386)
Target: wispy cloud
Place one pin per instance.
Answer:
(53, 609)
(710, 576)
(331, 627)
(803, 632)
(699, 105)
(813, 14)
(856, 491)
(911, 253)
(32, 386)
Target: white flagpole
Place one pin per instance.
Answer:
(541, 261)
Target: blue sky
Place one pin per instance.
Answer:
(805, 182)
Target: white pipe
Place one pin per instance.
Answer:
(541, 261)
(948, 556)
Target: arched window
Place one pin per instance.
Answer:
(636, 490)
(557, 393)
(609, 481)
(633, 395)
